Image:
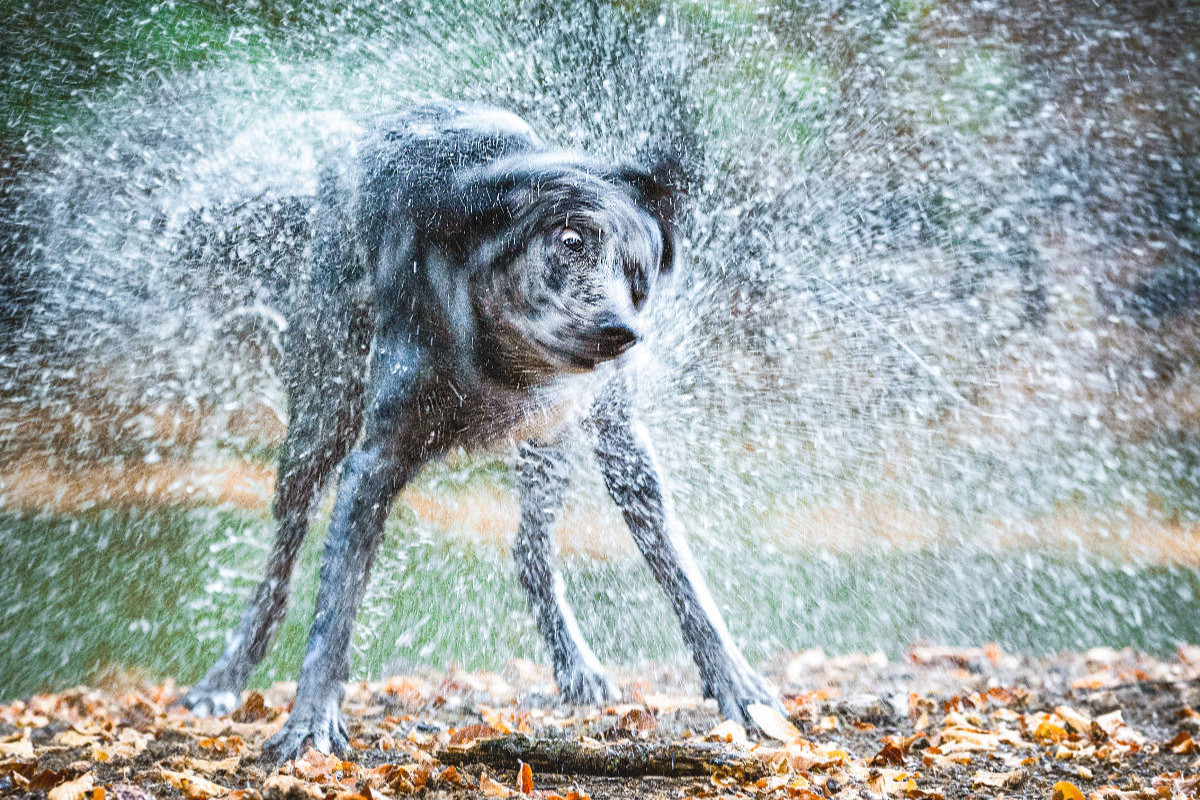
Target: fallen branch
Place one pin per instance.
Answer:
(624, 760)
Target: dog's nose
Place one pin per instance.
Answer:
(614, 336)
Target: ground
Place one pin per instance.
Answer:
(942, 722)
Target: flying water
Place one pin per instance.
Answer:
(928, 372)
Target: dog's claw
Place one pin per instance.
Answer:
(210, 702)
(736, 689)
(319, 727)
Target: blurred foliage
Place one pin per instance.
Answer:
(160, 589)
(881, 181)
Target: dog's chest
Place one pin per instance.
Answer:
(497, 417)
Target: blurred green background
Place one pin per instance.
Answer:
(997, 190)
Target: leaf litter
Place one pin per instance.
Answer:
(940, 723)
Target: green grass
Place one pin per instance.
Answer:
(157, 590)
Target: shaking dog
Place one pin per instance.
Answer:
(466, 286)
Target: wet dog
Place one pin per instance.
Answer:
(465, 283)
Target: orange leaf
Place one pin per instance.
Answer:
(526, 779)
(1064, 790)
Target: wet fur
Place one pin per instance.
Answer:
(440, 309)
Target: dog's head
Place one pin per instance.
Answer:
(565, 255)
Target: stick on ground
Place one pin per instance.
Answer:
(624, 760)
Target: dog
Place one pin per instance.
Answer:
(467, 285)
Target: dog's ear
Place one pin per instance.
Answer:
(480, 203)
(661, 188)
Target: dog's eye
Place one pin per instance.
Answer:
(570, 239)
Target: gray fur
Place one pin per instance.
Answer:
(469, 286)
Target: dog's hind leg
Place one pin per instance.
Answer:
(543, 473)
(306, 464)
(627, 461)
(327, 344)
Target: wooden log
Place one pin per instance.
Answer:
(620, 760)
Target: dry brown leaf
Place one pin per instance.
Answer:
(1080, 722)
(225, 745)
(1183, 744)
(255, 709)
(491, 788)
(889, 756)
(998, 780)
(637, 720)
(728, 732)
(281, 787)
(450, 775)
(207, 767)
(494, 718)
(1047, 732)
(73, 790)
(193, 786)
(73, 738)
(772, 723)
(966, 740)
(20, 747)
(1113, 726)
(472, 733)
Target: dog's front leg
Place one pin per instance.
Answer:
(543, 473)
(372, 476)
(370, 481)
(627, 461)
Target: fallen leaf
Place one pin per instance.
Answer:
(471, 733)
(450, 775)
(193, 786)
(637, 720)
(47, 779)
(21, 748)
(998, 780)
(728, 732)
(889, 756)
(73, 790)
(229, 765)
(1047, 732)
(491, 788)
(1080, 722)
(1063, 790)
(525, 782)
(73, 738)
(285, 787)
(1183, 744)
(772, 723)
(254, 710)
(225, 745)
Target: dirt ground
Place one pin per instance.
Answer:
(943, 722)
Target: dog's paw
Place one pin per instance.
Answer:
(738, 687)
(210, 702)
(587, 685)
(318, 726)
